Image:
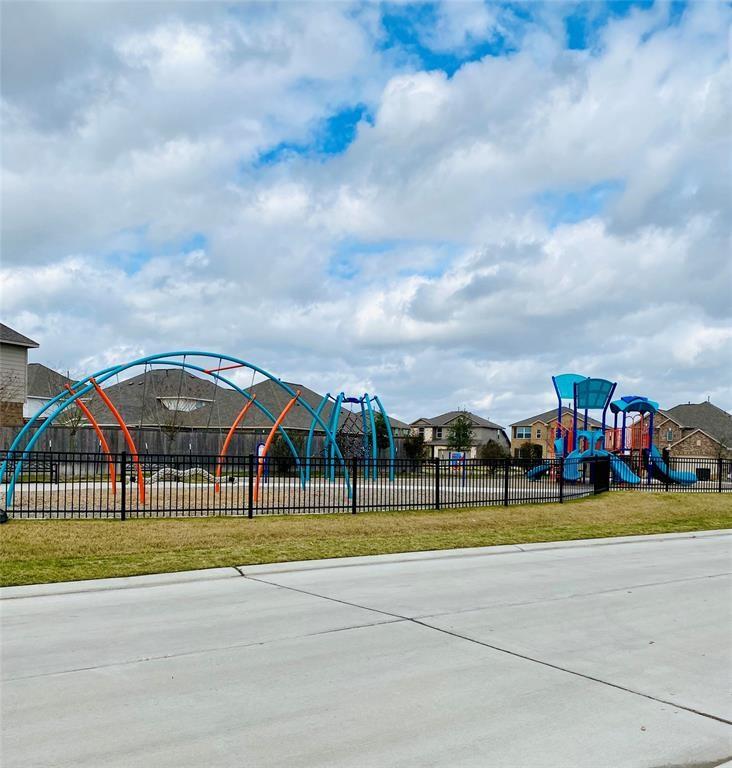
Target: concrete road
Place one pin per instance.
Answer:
(612, 654)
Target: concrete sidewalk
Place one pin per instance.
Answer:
(605, 653)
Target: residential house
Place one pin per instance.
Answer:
(541, 430)
(694, 430)
(43, 385)
(436, 432)
(169, 409)
(13, 375)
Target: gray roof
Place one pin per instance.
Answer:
(444, 419)
(705, 416)
(10, 336)
(548, 416)
(44, 381)
(140, 400)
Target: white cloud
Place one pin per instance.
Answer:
(469, 297)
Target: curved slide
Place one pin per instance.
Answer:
(662, 472)
(536, 472)
(621, 471)
(572, 465)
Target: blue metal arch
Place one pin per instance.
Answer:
(311, 432)
(106, 373)
(390, 435)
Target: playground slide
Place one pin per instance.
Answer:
(572, 465)
(662, 472)
(621, 471)
(536, 472)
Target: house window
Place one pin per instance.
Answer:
(538, 434)
(523, 433)
(438, 433)
(421, 432)
(669, 435)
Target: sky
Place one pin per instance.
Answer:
(443, 204)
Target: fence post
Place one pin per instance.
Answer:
(250, 487)
(561, 480)
(436, 463)
(354, 484)
(123, 480)
(719, 475)
(505, 482)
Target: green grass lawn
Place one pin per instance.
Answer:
(33, 552)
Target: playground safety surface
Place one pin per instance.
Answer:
(612, 652)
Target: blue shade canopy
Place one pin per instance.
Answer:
(593, 393)
(634, 404)
(564, 384)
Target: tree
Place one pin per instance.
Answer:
(529, 450)
(414, 446)
(72, 418)
(460, 436)
(382, 434)
(492, 450)
(283, 462)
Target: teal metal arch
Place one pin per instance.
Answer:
(370, 440)
(389, 434)
(64, 399)
(374, 442)
(333, 446)
(311, 433)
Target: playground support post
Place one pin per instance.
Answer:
(390, 435)
(242, 413)
(270, 437)
(128, 438)
(374, 441)
(335, 416)
(311, 434)
(102, 441)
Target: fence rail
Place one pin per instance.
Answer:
(120, 486)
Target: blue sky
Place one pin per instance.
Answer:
(444, 203)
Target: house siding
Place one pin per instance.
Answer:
(13, 383)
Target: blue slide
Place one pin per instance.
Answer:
(537, 472)
(621, 471)
(572, 465)
(662, 472)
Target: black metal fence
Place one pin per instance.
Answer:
(92, 485)
(680, 474)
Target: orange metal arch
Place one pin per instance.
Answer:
(270, 437)
(229, 436)
(103, 440)
(128, 439)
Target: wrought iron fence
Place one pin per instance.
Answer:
(93, 485)
(678, 474)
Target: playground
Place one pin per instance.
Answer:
(346, 460)
(627, 446)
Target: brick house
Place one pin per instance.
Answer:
(694, 430)
(436, 432)
(540, 430)
(13, 375)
